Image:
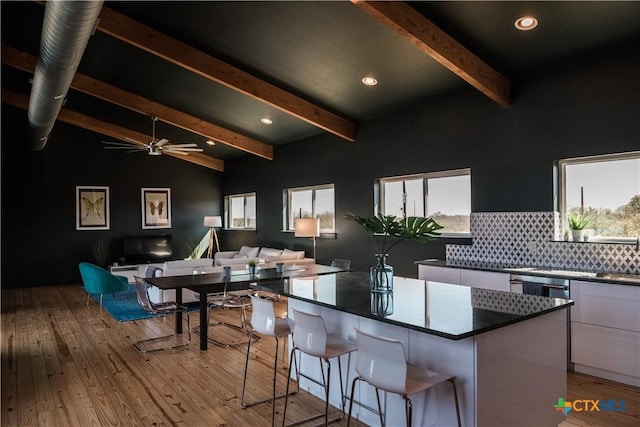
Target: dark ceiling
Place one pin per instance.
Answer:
(317, 51)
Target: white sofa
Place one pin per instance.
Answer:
(265, 257)
(181, 268)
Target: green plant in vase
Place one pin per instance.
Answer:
(251, 266)
(415, 228)
(578, 223)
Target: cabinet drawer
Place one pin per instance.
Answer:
(614, 350)
(605, 304)
(439, 274)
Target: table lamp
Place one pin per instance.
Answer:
(308, 227)
(213, 221)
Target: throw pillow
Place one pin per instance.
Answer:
(298, 254)
(266, 252)
(248, 251)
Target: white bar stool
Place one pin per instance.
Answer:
(381, 362)
(310, 337)
(265, 323)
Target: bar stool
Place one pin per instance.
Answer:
(381, 362)
(310, 337)
(265, 323)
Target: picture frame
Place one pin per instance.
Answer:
(92, 208)
(156, 207)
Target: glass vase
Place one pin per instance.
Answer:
(382, 303)
(381, 275)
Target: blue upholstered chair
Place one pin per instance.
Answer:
(99, 281)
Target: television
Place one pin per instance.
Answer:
(140, 249)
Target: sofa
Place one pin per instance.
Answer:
(265, 257)
(180, 268)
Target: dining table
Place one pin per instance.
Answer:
(204, 282)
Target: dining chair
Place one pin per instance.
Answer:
(229, 301)
(311, 338)
(382, 363)
(161, 309)
(97, 280)
(265, 323)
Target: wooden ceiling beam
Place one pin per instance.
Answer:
(422, 33)
(112, 94)
(196, 61)
(68, 116)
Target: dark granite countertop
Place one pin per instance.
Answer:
(590, 276)
(450, 311)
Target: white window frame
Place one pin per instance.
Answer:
(562, 194)
(287, 223)
(379, 195)
(227, 210)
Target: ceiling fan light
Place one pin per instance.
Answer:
(211, 142)
(526, 23)
(266, 121)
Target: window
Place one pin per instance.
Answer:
(310, 202)
(240, 211)
(606, 188)
(443, 196)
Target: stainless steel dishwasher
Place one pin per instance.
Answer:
(547, 287)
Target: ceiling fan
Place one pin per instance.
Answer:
(153, 147)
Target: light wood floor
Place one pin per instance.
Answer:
(68, 364)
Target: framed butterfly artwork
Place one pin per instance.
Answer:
(156, 208)
(92, 208)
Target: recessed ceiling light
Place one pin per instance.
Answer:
(526, 23)
(369, 81)
(211, 142)
(266, 121)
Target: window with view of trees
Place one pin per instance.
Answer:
(444, 196)
(607, 189)
(310, 202)
(240, 211)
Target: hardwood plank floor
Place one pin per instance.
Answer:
(66, 363)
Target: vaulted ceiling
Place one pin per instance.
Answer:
(213, 70)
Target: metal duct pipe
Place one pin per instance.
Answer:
(66, 30)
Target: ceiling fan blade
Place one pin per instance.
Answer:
(184, 153)
(161, 142)
(120, 148)
(172, 149)
(181, 145)
(118, 144)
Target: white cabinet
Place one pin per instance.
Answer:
(485, 280)
(605, 330)
(439, 274)
(462, 276)
(129, 271)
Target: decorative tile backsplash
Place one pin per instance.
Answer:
(528, 239)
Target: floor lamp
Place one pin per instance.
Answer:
(213, 221)
(308, 227)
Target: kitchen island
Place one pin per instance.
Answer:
(507, 351)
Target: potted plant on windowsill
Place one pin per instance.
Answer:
(416, 228)
(578, 224)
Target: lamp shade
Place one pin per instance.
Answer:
(307, 227)
(213, 221)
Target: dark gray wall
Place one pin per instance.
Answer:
(580, 109)
(40, 245)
